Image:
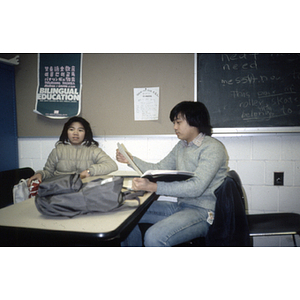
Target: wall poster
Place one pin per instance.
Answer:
(59, 87)
(146, 103)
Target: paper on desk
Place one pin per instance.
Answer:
(127, 184)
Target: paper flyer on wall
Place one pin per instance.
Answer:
(58, 94)
(146, 104)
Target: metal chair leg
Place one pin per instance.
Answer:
(294, 240)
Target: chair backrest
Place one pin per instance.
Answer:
(234, 175)
(230, 227)
(8, 179)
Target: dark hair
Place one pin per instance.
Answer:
(88, 138)
(195, 113)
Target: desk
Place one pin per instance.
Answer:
(23, 225)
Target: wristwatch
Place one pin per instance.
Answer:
(88, 171)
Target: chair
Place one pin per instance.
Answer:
(239, 225)
(270, 224)
(273, 224)
(230, 227)
(8, 179)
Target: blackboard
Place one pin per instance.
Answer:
(243, 91)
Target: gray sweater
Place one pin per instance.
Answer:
(208, 161)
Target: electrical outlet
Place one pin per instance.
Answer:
(278, 178)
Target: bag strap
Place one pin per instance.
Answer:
(129, 195)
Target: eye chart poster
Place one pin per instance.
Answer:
(59, 87)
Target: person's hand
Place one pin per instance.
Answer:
(143, 184)
(121, 158)
(36, 176)
(84, 174)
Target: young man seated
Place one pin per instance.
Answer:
(190, 217)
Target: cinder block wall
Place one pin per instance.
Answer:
(255, 158)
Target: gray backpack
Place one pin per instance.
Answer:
(68, 196)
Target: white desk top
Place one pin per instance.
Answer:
(26, 215)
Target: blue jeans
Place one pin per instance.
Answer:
(173, 224)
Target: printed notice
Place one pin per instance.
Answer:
(146, 103)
